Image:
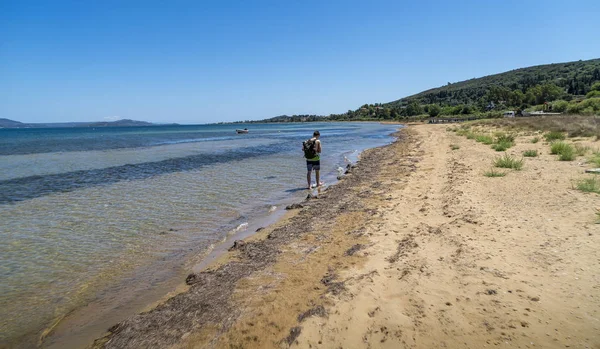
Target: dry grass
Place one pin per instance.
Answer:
(581, 150)
(493, 173)
(573, 126)
(557, 148)
(565, 151)
(589, 185)
(554, 136)
(507, 161)
(595, 158)
(485, 139)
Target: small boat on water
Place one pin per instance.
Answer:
(241, 131)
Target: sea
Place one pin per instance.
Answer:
(97, 223)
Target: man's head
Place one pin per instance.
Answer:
(316, 134)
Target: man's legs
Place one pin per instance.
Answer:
(310, 166)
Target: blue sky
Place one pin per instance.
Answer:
(199, 62)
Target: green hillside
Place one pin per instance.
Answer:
(575, 78)
(572, 87)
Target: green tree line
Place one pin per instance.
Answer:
(572, 87)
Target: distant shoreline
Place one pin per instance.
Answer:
(12, 124)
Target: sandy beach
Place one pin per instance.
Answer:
(414, 248)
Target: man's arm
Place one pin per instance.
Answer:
(318, 146)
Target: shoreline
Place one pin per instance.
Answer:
(59, 334)
(415, 247)
(212, 289)
(62, 334)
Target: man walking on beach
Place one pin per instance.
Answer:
(312, 153)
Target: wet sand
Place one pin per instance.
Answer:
(416, 248)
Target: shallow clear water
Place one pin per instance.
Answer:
(83, 209)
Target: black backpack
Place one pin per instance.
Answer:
(309, 147)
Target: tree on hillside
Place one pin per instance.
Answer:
(560, 106)
(516, 98)
(545, 93)
(434, 110)
(594, 91)
(593, 94)
(413, 108)
(467, 109)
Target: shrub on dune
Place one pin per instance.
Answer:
(507, 161)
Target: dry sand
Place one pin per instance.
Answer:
(415, 248)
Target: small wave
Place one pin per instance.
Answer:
(241, 227)
(237, 229)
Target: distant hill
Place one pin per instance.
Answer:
(124, 122)
(7, 123)
(572, 87)
(575, 78)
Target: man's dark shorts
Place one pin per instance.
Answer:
(313, 165)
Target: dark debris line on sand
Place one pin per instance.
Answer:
(208, 301)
